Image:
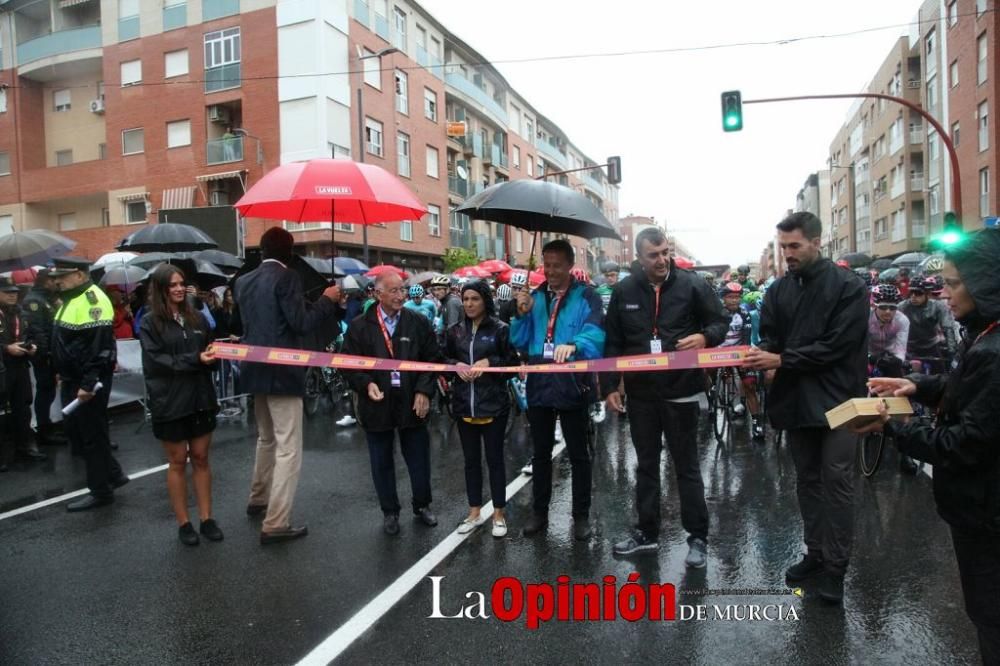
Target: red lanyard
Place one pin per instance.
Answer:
(385, 331)
(656, 312)
(989, 329)
(551, 328)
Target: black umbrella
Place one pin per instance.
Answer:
(322, 266)
(223, 260)
(167, 237)
(24, 249)
(909, 259)
(313, 283)
(856, 259)
(880, 264)
(204, 274)
(150, 259)
(539, 206)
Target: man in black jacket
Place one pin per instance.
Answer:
(814, 329)
(17, 349)
(391, 401)
(661, 308)
(274, 313)
(38, 311)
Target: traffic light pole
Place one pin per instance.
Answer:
(956, 184)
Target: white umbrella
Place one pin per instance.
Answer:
(113, 258)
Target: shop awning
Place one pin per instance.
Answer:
(220, 176)
(134, 196)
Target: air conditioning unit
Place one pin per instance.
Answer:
(97, 106)
(218, 114)
(218, 198)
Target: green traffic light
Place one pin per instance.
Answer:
(950, 238)
(732, 111)
(732, 120)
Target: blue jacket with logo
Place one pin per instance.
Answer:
(580, 321)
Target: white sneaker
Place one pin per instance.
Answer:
(499, 529)
(600, 413)
(466, 526)
(739, 409)
(558, 435)
(527, 469)
(347, 420)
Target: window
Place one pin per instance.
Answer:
(432, 162)
(67, 221)
(430, 105)
(373, 72)
(953, 13)
(931, 44)
(531, 165)
(932, 94)
(983, 114)
(954, 133)
(102, 151)
(984, 192)
(373, 136)
(4, 164)
(402, 92)
(953, 74)
(178, 133)
(981, 50)
(131, 72)
(64, 157)
(421, 37)
(516, 157)
(3, 100)
(433, 220)
(132, 141)
(515, 119)
(338, 152)
(529, 130)
(435, 48)
(406, 230)
(175, 63)
(403, 154)
(934, 199)
(61, 100)
(128, 8)
(222, 59)
(980, 7)
(135, 212)
(347, 227)
(399, 34)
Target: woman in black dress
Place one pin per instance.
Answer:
(177, 360)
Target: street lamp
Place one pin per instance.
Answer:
(361, 129)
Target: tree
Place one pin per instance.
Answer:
(457, 257)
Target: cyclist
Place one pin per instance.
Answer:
(752, 301)
(932, 327)
(743, 277)
(739, 334)
(449, 302)
(506, 305)
(610, 271)
(419, 304)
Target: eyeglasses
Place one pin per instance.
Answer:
(886, 308)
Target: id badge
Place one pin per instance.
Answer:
(549, 350)
(396, 379)
(655, 346)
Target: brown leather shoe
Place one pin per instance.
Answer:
(287, 534)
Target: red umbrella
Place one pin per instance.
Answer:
(683, 262)
(24, 276)
(536, 277)
(472, 272)
(386, 268)
(495, 265)
(505, 276)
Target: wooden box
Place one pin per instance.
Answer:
(860, 412)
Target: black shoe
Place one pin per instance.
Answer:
(390, 524)
(637, 543)
(908, 465)
(582, 529)
(256, 509)
(48, 436)
(89, 502)
(831, 588)
(33, 454)
(287, 534)
(187, 535)
(535, 524)
(808, 566)
(210, 530)
(120, 481)
(425, 516)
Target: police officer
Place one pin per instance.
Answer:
(17, 349)
(83, 353)
(37, 311)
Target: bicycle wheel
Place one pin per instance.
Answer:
(314, 391)
(720, 412)
(870, 453)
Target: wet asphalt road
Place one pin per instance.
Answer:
(115, 586)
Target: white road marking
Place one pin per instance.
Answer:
(364, 619)
(75, 493)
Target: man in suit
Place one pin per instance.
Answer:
(390, 400)
(274, 313)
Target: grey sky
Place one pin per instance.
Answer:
(721, 193)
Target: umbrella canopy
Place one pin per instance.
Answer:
(328, 190)
(472, 272)
(375, 271)
(350, 283)
(322, 266)
(204, 274)
(856, 259)
(424, 276)
(37, 247)
(113, 258)
(932, 265)
(350, 266)
(150, 259)
(909, 260)
(538, 205)
(167, 237)
(889, 274)
(223, 260)
(535, 278)
(683, 262)
(122, 275)
(880, 264)
(24, 276)
(495, 265)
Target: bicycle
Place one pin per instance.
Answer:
(725, 395)
(322, 382)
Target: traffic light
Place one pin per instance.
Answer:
(732, 111)
(952, 234)
(614, 170)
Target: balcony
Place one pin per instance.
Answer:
(213, 9)
(223, 77)
(128, 28)
(458, 186)
(898, 188)
(477, 145)
(895, 144)
(477, 94)
(916, 136)
(221, 151)
(174, 16)
(863, 213)
(361, 12)
(58, 43)
(430, 62)
(919, 228)
(899, 229)
(593, 184)
(917, 183)
(552, 154)
(497, 157)
(381, 26)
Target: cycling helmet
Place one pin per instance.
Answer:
(416, 291)
(732, 288)
(610, 267)
(886, 293)
(440, 281)
(933, 283)
(752, 297)
(843, 263)
(580, 275)
(743, 269)
(505, 293)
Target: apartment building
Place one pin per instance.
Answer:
(814, 197)
(116, 113)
